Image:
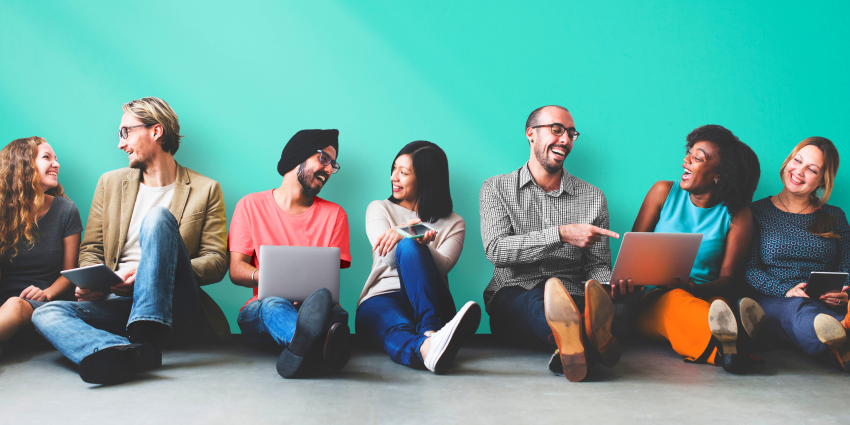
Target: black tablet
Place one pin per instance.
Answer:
(97, 278)
(823, 282)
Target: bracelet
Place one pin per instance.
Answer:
(252, 276)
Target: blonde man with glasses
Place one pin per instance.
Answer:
(546, 233)
(162, 229)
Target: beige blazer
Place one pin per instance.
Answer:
(198, 206)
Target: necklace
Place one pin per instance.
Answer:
(789, 209)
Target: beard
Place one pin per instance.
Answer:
(139, 164)
(303, 177)
(551, 167)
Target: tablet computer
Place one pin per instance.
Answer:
(655, 259)
(97, 278)
(820, 283)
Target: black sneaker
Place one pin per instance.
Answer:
(335, 351)
(114, 365)
(312, 323)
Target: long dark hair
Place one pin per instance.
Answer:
(824, 224)
(431, 168)
(739, 166)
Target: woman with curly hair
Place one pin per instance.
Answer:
(712, 197)
(797, 232)
(39, 232)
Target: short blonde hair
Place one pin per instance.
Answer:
(152, 110)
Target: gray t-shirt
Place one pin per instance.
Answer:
(41, 264)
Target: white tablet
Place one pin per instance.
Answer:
(97, 278)
(653, 259)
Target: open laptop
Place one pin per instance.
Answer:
(653, 259)
(295, 272)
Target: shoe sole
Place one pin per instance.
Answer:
(311, 323)
(752, 316)
(112, 366)
(830, 331)
(598, 317)
(721, 322)
(565, 322)
(469, 321)
(335, 352)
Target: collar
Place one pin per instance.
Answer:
(567, 184)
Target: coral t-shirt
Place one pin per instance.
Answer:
(258, 221)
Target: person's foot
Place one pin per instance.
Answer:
(752, 316)
(114, 365)
(565, 321)
(311, 324)
(598, 316)
(335, 351)
(446, 342)
(833, 334)
(724, 329)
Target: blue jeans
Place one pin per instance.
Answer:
(271, 322)
(518, 318)
(793, 320)
(398, 320)
(164, 292)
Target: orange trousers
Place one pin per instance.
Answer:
(678, 317)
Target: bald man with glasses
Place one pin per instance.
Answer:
(546, 233)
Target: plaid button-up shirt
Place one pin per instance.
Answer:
(519, 227)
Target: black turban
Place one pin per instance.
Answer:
(303, 145)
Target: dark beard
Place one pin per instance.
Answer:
(302, 179)
(542, 158)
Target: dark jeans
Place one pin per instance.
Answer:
(397, 320)
(518, 318)
(271, 322)
(792, 320)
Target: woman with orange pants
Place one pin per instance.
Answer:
(712, 197)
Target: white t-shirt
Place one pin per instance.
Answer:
(146, 200)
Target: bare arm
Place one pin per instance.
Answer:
(734, 257)
(241, 270)
(650, 210)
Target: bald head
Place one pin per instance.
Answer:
(534, 117)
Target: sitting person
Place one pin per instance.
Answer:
(406, 306)
(546, 232)
(162, 229)
(796, 233)
(721, 174)
(293, 215)
(39, 233)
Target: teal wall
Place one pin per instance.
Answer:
(245, 76)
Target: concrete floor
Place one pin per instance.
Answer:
(489, 384)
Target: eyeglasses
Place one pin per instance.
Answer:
(125, 131)
(326, 159)
(559, 129)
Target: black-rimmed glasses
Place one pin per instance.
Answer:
(124, 132)
(559, 129)
(326, 159)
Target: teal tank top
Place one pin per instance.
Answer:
(680, 215)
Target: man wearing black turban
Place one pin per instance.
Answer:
(282, 216)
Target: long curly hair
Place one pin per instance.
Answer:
(825, 223)
(739, 166)
(21, 195)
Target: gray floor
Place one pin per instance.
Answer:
(489, 384)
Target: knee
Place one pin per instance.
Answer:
(15, 307)
(407, 247)
(156, 217)
(49, 314)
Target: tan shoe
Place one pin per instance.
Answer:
(834, 336)
(598, 316)
(564, 319)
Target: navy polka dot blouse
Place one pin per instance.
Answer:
(783, 253)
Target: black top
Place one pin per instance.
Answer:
(41, 264)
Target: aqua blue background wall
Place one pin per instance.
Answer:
(244, 76)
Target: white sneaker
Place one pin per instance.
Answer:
(447, 341)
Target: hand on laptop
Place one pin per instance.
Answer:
(624, 287)
(583, 235)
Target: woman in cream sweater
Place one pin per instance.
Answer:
(406, 305)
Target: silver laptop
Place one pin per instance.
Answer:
(295, 272)
(652, 259)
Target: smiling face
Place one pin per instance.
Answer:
(702, 168)
(804, 172)
(47, 166)
(547, 149)
(141, 145)
(312, 175)
(403, 181)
